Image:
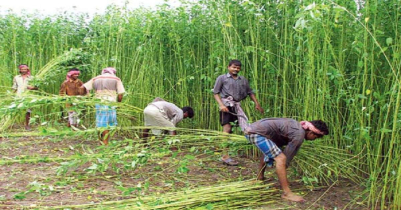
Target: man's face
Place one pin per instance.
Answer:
(234, 69)
(310, 135)
(24, 70)
(74, 76)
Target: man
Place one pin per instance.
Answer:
(229, 90)
(20, 85)
(108, 88)
(72, 86)
(161, 113)
(271, 133)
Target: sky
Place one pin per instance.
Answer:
(51, 7)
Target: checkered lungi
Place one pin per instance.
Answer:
(266, 146)
(106, 116)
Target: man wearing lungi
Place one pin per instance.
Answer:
(161, 113)
(108, 88)
(271, 133)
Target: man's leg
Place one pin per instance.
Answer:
(262, 168)
(226, 129)
(75, 119)
(70, 119)
(226, 157)
(105, 137)
(282, 178)
(27, 119)
(145, 133)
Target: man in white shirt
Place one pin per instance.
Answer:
(21, 85)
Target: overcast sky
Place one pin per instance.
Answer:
(87, 6)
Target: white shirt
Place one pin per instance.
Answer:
(20, 84)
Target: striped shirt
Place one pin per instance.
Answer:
(227, 86)
(107, 87)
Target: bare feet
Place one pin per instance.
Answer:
(292, 197)
(261, 177)
(27, 127)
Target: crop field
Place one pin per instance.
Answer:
(338, 61)
(74, 172)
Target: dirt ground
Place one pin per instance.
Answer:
(35, 184)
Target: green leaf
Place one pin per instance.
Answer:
(389, 41)
(20, 196)
(93, 167)
(385, 130)
(361, 96)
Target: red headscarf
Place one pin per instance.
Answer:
(306, 125)
(22, 66)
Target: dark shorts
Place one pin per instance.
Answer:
(226, 118)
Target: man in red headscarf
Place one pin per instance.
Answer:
(271, 133)
(21, 85)
(72, 86)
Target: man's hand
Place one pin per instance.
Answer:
(223, 108)
(259, 108)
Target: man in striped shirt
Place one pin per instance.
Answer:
(108, 88)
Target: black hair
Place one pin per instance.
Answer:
(188, 110)
(234, 62)
(73, 69)
(321, 126)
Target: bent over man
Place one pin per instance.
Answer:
(164, 114)
(271, 133)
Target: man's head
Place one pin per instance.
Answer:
(109, 70)
(314, 129)
(73, 74)
(24, 69)
(234, 66)
(188, 112)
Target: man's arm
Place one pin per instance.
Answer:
(62, 89)
(216, 90)
(120, 97)
(257, 105)
(291, 150)
(15, 85)
(222, 107)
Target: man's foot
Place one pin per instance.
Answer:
(229, 162)
(261, 178)
(27, 127)
(292, 197)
